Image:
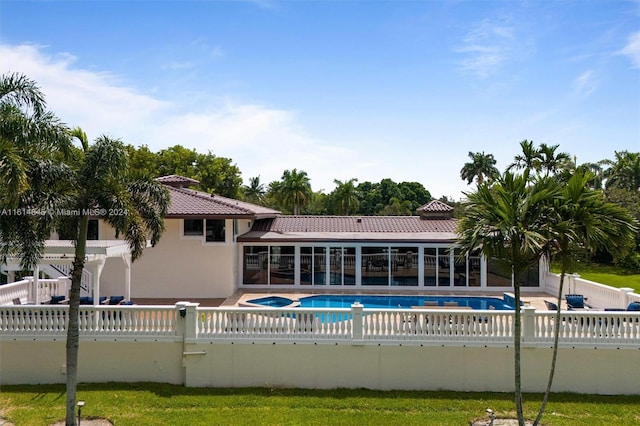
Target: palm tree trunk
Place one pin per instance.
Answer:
(73, 332)
(517, 354)
(554, 356)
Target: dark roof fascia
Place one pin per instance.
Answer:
(386, 238)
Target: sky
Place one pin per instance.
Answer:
(340, 89)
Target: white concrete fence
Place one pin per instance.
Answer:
(322, 348)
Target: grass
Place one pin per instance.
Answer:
(143, 404)
(607, 274)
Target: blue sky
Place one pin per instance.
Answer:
(340, 89)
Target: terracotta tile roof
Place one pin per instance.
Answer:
(351, 228)
(188, 203)
(435, 206)
(177, 181)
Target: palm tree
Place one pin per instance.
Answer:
(345, 196)
(135, 209)
(482, 167)
(509, 221)
(624, 172)
(551, 163)
(254, 192)
(584, 221)
(294, 190)
(29, 138)
(527, 160)
(28, 135)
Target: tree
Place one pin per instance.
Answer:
(509, 221)
(624, 171)
(134, 208)
(583, 220)
(293, 191)
(217, 175)
(528, 158)
(254, 192)
(142, 161)
(551, 163)
(30, 136)
(177, 160)
(397, 208)
(345, 198)
(482, 167)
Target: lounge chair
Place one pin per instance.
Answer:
(576, 301)
(116, 300)
(551, 306)
(57, 300)
(633, 306)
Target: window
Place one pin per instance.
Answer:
(193, 227)
(92, 230)
(215, 231)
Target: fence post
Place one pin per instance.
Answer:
(358, 324)
(62, 288)
(528, 324)
(624, 296)
(32, 290)
(188, 313)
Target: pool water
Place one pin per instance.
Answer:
(382, 302)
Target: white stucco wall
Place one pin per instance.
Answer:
(323, 366)
(35, 362)
(178, 267)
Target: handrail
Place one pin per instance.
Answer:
(355, 325)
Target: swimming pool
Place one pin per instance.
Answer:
(382, 302)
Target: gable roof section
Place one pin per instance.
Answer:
(177, 181)
(351, 229)
(190, 204)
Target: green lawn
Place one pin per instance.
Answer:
(160, 404)
(607, 274)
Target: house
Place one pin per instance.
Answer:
(213, 246)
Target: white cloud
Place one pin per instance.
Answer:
(632, 49)
(585, 84)
(487, 47)
(260, 140)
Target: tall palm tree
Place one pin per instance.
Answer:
(30, 136)
(584, 220)
(254, 192)
(624, 171)
(482, 167)
(294, 190)
(527, 160)
(551, 162)
(509, 221)
(345, 196)
(134, 208)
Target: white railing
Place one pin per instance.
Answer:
(17, 290)
(86, 281)
(269, 323)
(355, 325)
(120, 321)
(438, 325)
(587, 327)
(598, 295)
(26, 292)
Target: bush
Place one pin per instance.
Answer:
(630, 262)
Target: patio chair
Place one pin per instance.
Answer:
(57, 300)
(551, 306)
(575, 301)
(116, 300)
(633, 306)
